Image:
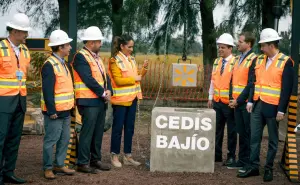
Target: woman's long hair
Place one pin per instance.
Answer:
(118, 40)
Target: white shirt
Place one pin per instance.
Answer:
(211, 88)
(270, 61)
(15, 48)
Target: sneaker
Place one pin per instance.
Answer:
(115, 161)
(235, 166)
(128, 160)
(230, 161)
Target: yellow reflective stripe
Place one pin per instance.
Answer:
(4, 49)
(61, 98)
(260, 59)
(249, 59)
(86, 53)
(281, 60)
(237, 89)
(221, 93)
(82, 86)
(24, 51)
(275, 92)
(216, 63)
(232, 63)
(126, 90)
(12, 83)
(54, 63)
(119, 60)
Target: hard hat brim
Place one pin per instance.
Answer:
(269, 40)
(18, 27)
(61, 42)
(227, 43)
(90, 38)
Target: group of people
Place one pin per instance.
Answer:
(82, 82)
(249, 92)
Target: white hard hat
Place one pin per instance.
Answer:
(226, 38)
(268, 35)
(19, 21)
(92, 33)
(59, 37)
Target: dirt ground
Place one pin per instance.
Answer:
(29, 166)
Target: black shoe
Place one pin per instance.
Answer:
(268, 176)
(230, 161)
(86, 169)
(235, 166)
(13, 179)
(218, 159)
(101, 166)
(248, 172)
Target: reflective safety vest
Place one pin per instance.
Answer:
(221, 83)
(63, 88)
(128, 68)
(268, 81)
(9, 84)
(240, 75)
(81, 90)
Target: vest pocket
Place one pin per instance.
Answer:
(6, 66)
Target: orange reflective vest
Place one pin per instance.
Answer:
(128, 68)
(63, 88)
(9, 84)
(81, 90)
(221, 83)
(240, 75)
(268, 81)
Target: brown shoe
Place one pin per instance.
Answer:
(86, 169)
(48, 174)
(64, 170)
(101, 166)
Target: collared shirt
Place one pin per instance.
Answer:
(96, 57)
(270, 60)
(211, 88)
(62, 61)
(242, 57)
(15, 48)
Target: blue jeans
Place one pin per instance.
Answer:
(57, 132)
(124, 116)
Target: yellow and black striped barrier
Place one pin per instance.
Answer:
(289, 161)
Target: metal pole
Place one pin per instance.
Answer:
(73, 27)
(277, 12)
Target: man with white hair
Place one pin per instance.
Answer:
(273, 81)
(219, 98)
(14, 61)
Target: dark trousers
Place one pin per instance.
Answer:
(124, 116)
(242, 121)
(91, 134)
(258, 122)
(225, 114)
(10, 136)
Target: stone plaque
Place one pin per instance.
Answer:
(184, 75)
(182, 140)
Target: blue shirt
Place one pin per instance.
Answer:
(62, 61)
(243, 56)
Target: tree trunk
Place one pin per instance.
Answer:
(268, 18)
(208, 37)
(117, 27)
(64, 15)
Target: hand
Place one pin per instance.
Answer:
(54, 116)
(279, 117)
(107, 95)
(145, 65)
(210, 104)
(233, 104)
(138, 78)
(249, 107)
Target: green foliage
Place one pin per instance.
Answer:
(37, 61)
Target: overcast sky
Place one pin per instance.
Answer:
(220, 13)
